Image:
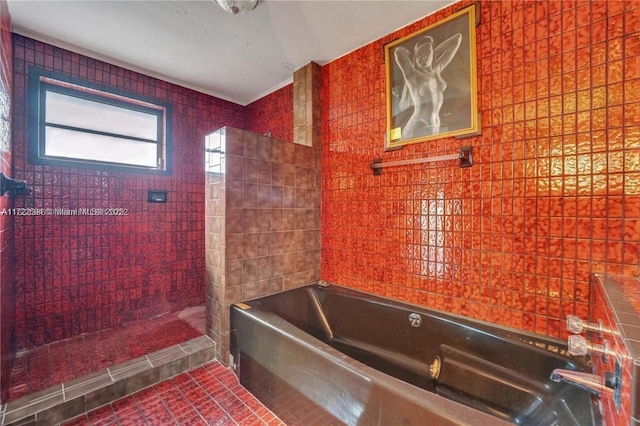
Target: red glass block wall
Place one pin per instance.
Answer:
(554, 193)
(77, 274)
(7, 284)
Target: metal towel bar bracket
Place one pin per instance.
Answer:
(465, 156)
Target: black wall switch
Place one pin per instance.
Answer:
(157, 196)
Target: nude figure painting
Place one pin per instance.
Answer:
(431, 82)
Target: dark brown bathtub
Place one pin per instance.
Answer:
(330, 355)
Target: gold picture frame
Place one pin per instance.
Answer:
(431, 82)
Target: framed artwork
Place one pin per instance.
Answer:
(431, 86)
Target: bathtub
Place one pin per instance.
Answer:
(322, 355)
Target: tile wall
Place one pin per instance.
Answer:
(78, 274)
(272, 114)
(7, 283)
(265, 236)
(554, 193)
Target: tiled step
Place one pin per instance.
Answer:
(52, 364)
(70, 399)
(208, 395)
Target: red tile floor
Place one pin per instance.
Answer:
(209, 395)
(55, 363)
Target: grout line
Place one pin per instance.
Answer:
(166, 407)
(110, 375)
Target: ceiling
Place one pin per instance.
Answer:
(197, 45)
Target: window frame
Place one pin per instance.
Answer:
(41, 81)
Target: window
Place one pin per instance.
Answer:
(76, 124)
(214, 158)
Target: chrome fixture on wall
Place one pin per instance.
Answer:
(237, 7)
(590, 382)
(579, 346)
(464, 155)
(611, 383)
(13, 186)
(576, 325)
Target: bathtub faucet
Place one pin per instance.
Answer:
(589, 382)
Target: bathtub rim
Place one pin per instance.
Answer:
(558, 346)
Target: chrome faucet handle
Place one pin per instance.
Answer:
(578, 345)
(576, 325)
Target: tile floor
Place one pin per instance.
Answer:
(40, 368)
(209, 395)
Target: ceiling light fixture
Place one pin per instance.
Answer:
(237, 7)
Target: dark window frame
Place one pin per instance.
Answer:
(41, 81)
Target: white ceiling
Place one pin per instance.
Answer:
(197, 45)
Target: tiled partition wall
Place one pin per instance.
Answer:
(271, 224)
(76, 274)
(555, 189)
(7, 283)
(215, 276)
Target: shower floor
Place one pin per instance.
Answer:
(40, 368)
